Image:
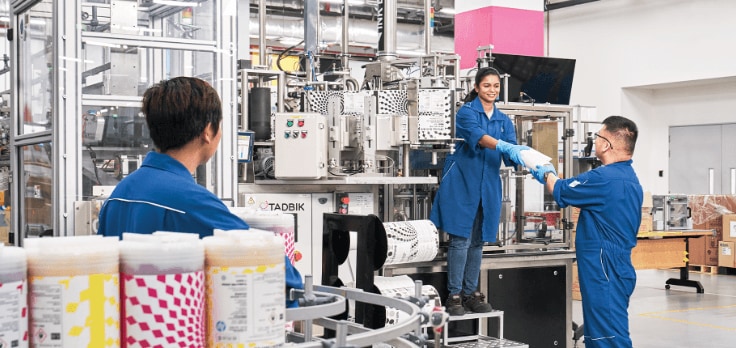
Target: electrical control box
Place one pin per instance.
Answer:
(301, 146)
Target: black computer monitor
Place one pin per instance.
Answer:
(543, 79)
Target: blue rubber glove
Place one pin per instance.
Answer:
(513, 151)
(539, 172)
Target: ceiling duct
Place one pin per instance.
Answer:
(285, 31)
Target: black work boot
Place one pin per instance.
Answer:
(476, 303)
(454, 305)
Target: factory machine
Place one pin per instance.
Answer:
(314, 143)
(320, 145)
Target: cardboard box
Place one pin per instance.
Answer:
(574, 215)
(715, 223)
(726, 254)
(658, 253)
(576, 295)
(572, 239)
(546, 140)
(646, 223)
(5, 227)
(703, 251)
(5, 235)
(707, 211)
(729, 228)
(647, 204)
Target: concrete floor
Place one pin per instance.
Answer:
(679, 317)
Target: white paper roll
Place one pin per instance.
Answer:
(403, 287)
(411, 241)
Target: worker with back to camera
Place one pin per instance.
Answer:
(184, 115)
(468, 203)
(610, 199)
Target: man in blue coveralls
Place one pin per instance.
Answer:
(610, 199)
(184, 115)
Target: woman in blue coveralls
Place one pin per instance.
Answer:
(610, 199)
(468, 203)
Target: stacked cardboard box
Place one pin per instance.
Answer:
(546, 140)
(726, 254)
(646, 213)
(575, 283)
(5, 228)
(710, 212)
(726, 246)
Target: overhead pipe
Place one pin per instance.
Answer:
(344, 43)
(262, 33)
(362, 32)
(311, 37)
(428, 19)
(386, 30)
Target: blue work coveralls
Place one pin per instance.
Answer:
(468, 202)
(610, 199)
(471, 175)
(162, 195)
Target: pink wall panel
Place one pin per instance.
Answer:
(509, 30)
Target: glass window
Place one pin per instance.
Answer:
(115, 139)
(113, 68)
(37, 176)
(193, 20)
(35, 68)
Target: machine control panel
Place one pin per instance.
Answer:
(301, 146)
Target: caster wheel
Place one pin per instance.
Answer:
(667, 286)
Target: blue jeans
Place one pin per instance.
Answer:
(463, 259)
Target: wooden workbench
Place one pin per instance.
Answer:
(667, 249)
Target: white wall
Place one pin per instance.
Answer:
(658, 62)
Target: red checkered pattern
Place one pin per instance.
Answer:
(162, 311)
(288, 234)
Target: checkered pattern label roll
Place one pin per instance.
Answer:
(165, 310)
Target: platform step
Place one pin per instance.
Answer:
(489, 342)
